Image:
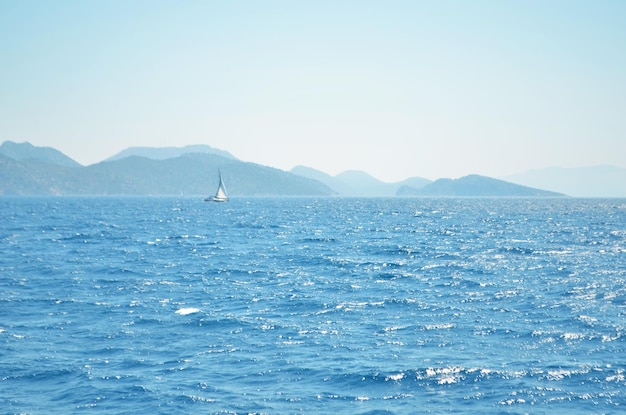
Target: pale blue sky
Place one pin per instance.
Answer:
(395, 88)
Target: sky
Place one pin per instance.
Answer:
(395, 88)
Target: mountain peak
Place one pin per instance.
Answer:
(26, 151)
(163, 153)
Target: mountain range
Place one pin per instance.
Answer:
(192, 170)
(29, 170)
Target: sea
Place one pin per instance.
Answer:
(172, 305)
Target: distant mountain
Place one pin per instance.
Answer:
(196, 174)
(17, 178)
(163, 153)
(314, 174)
(593, 181)
(26, 151)
(357, 183)
(477, 186)
(189, 174)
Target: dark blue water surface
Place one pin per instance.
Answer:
(331, 305)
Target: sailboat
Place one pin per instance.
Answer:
(220, 195)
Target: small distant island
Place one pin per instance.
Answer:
(30, 170)
(476, 186)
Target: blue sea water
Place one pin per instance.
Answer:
(301, 305)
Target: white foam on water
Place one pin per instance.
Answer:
(186, 311)
(397, 377)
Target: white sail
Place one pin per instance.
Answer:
(221, 190)
(220, 195)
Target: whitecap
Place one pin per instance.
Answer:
(573, 336)
(397, 377)
(447, 380)
(186, 311)
(619, 377)
(558, 374)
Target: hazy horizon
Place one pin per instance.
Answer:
(396, 89)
